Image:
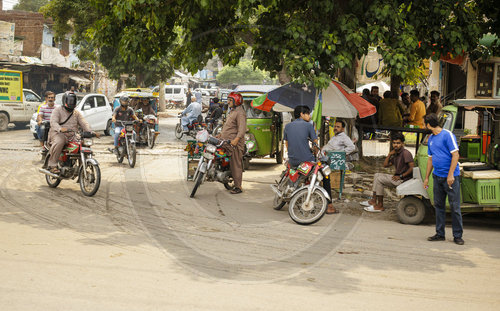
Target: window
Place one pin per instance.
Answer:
(168, 91)
(484, 80)
(177, 91)
(90, 101)
(30, 97)
(101, 102)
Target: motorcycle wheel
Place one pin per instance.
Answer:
(52, 182)
(178, 131)
(301, 214)
(229, 185)
(119, 157)
(151, 139)
(90, 185)
(198, 182)
(216, 131)
(132, 155)
(278, 203)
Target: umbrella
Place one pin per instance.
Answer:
(341, 101)
(286, 98)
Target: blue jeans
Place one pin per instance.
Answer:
(39, 131)
(118, 130)
(441, 190)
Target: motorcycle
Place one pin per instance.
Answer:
(213, 165)
(76, 160)
(193, 128)
(146, 129)
(126, 143)
(300, 187)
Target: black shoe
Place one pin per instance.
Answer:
(458, 241)
(436, 238)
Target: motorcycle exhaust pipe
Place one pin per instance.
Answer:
(47, 172)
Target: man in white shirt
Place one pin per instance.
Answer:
(190, 114)
(340, 142)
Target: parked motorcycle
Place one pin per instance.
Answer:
(300, 187)
(146, 129)
(193, 128)
(213, 165)
(76, 160)
(126, 143)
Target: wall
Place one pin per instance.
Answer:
(28, 25)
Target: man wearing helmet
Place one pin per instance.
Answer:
(122, 113)
(234, 129)
(64, 122)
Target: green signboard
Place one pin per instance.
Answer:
(337, 160)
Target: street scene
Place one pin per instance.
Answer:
(213, 156)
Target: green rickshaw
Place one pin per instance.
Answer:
(264, 135)
(479, 163)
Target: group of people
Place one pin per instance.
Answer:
(409, 111)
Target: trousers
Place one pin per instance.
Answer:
(57, 143)
(441, 190)
(236, 165)
(381, 181)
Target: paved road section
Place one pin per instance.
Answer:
(142, 244)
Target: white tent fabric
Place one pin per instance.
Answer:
(336, 104)
(382, 87)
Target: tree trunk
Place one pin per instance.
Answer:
(395, 85)
(139, 80)
(162, 97)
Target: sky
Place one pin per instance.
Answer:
(8, 4)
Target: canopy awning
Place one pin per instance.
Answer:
(80, 79)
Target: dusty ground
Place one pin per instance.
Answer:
(142, 244)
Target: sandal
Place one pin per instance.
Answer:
(236, 191)
(372, 209)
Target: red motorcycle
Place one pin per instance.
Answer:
(76, 160)
(300, 187)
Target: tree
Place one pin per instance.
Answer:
(243, 73)
(30, 5)
(303, 40)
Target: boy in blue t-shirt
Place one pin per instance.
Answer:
(443, 157)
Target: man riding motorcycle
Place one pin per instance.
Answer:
(122, 113)
(64, 122)
(213, 113)
(190, 114)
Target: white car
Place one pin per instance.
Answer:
(95, 108)
(173, 93)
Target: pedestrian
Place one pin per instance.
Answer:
(435, 105)
(234, 129)
(417, 110)
(403, 163)
(443, 158)
(389, 113)
(188, 97)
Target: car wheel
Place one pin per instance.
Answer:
(4, 122)
(108, 131)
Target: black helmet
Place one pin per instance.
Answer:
(69, 100)
(124, 100)
(216, 100)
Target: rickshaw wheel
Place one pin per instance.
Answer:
(411, 210)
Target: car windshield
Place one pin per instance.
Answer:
(59, 96)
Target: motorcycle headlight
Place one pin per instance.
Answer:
(210, 148)
(88, 142)
(326, 170)
(129, 128)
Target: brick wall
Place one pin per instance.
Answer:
(28, 25)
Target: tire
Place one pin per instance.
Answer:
(411, 210)
(90, 185)
(132, 156)
(279, 155)
(278, 203)
(229, 185)
(151, 139)
(108, 131)
(198, 182)
(295, 209)
(52, 182)
(35, 135)
(178, 131)
(4, 122)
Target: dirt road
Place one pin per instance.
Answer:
(140, 243)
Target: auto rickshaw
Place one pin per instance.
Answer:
(135, 97)
(479, 163)
(264, 135)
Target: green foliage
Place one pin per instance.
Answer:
(243, 73)
(30, 5)
(308, 40)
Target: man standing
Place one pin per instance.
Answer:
(234, 129)
(296, 136)
(417, 110)
(403, 163)
(44, 113)
(435, 105)
(189, 95)
(190, 114)
(389, 113)
(443, 157)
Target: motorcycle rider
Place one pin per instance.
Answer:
(147, 108)
(122, 113)
(296, 136)
(190, 114)
(234, 129)
(64, 118)
(213, 113)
